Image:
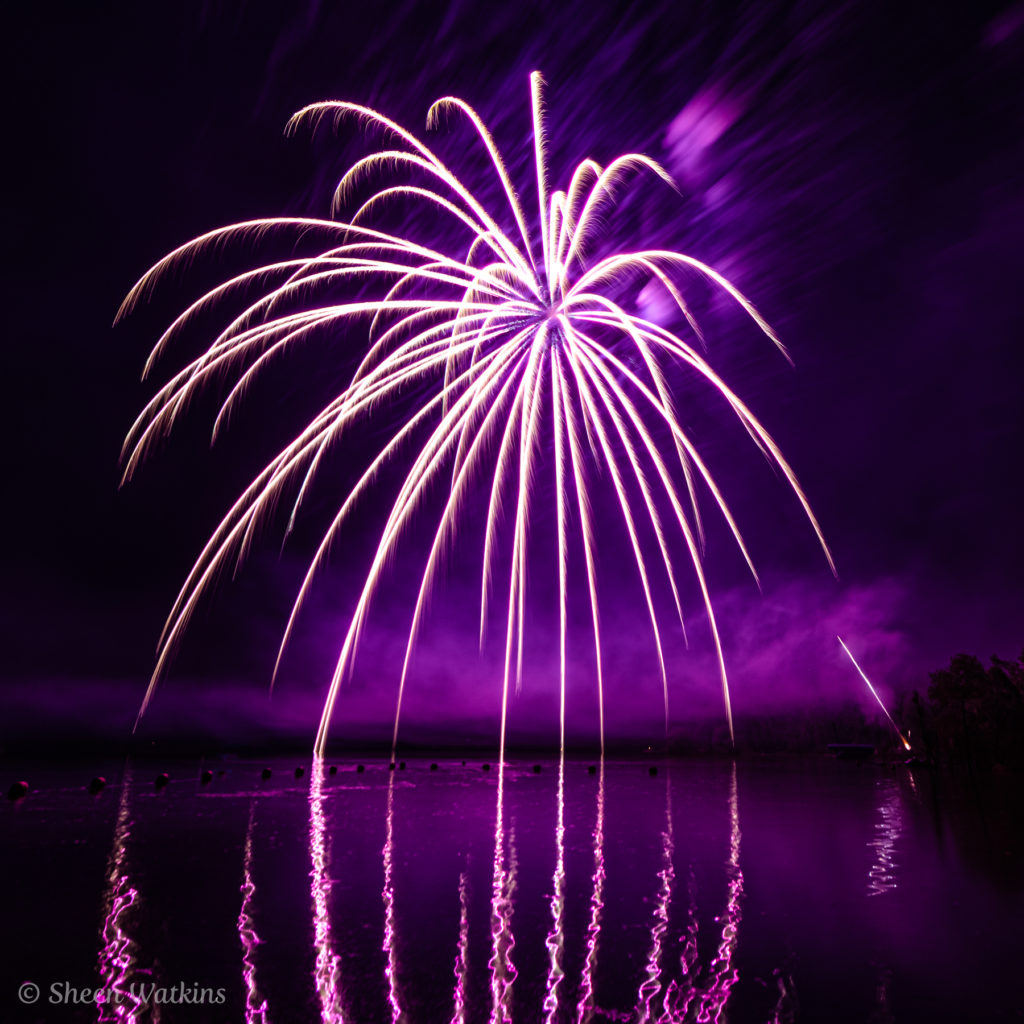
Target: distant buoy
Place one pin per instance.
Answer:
(96, 785)
(391, 766)
(433, 766)
(17, 791)
(360, 768)
(652, 770)
(266, 773)
(592, 770)
(205, 777)
(486, 767)
(536, 769)
(333, 770)
(161, 780)
(299, 772)
(401, 766)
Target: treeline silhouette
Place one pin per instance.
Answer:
(971, 717)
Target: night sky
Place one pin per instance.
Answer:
(857, 172)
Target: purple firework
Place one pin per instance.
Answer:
(514, 339)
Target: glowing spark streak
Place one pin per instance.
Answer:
(316, 112)
(483, 313)
(563, 554)
(691, 542)
(602, 187)
(537, 105)
(585, 1009)
(262, 225)
(492, 149)
(582, 496)
(754, 428)
(420, 475)
(223, 537)
(117, 955)
(364, 481)
(462, 956)
(594, 375)
(495, 241)
(515, 576)
(175, 396)
(605, 356)
(255, 1004)
(447, 526)
(327, 971)
(625, 505)
(372, 393)
(874, 693)
(613, 264)
(566, 228)
(748, 419)
(503, 972)
(658, 376)
(494, 508)
(591, 407)
(555, 941)
(442, 438)
(528, 440)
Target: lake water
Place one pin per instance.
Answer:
(710, 891)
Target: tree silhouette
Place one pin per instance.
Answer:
(977, 714)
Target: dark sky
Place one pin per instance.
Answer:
(856, 172)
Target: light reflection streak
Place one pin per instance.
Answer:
(255, 1004)
(787, 1004)
(327, 972)
(462, 955)
(651, 987)
(556, 937)
(682, 992)
(881, 877)
(723, 973)
(503, 971)
(391, 971)
(585, 1010)
(117, 954)
(667, 992)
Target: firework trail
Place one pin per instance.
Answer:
(515, 341)
(874, 693)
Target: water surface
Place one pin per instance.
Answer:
(710, 891)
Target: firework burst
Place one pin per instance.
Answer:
(515, 341)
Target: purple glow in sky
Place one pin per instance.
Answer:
(536, 371)
(858, 176)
